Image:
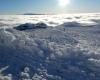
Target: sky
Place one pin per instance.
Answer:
(48, 6)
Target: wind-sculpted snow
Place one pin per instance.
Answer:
(40, 51)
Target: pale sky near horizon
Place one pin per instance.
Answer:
(48, 6)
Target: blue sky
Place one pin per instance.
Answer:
(48, 6)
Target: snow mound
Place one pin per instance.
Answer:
(71, 24)
(27, 26)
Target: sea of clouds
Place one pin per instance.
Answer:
(50, 47)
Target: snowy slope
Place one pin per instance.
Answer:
(50, 47)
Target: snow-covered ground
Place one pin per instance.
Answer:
(50, 47)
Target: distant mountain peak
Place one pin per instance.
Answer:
(33, 14)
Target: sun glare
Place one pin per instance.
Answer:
(63, 3)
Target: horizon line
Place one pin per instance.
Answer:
(51, 13)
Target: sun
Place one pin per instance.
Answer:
(63, 3)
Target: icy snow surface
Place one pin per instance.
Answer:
(50, 47)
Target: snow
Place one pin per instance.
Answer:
(50, 47)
